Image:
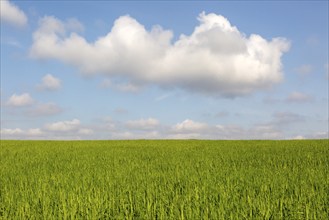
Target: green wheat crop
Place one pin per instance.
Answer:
(164, 179)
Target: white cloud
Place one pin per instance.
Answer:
(20, 100)
(143, 124)
(298, 97)
(187, 129)
(191, 129)
(61, 130)
(11, 14)
(136, 135)
(11, 132)
(30, 107)
(64, 126)
(190, 126)
(35, 132)
(152, 129)
(298, 137)
(49, 82)
(216, 59)
(17, 133)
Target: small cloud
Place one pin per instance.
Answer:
(17, 133)
(64, 126)
(68, 130)
(20, 100)
(190, 126)
(10, 131)
(192, 129)
(326, 68)
(134, 135)
(298, 97)
(298, 137)
(34, 132)
(11, 14)
(50, 83)
(304, 70)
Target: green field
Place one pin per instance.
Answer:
(164, 179)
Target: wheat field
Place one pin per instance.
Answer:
(164, 179)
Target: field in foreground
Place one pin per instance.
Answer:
(164, 179)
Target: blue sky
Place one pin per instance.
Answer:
(127, 70)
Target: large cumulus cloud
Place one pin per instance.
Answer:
(216, 59)
(11, 14)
